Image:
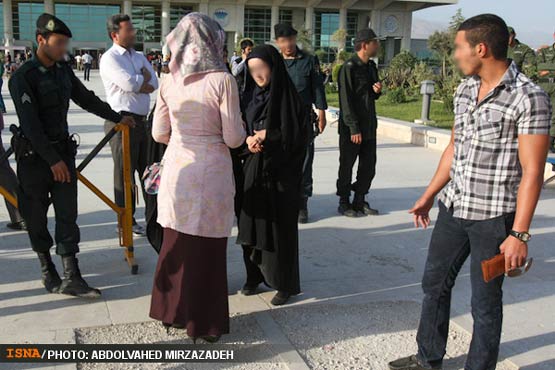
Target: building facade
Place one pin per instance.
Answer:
(391, 19)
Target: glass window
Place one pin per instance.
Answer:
(352, 28)
(325, 24)
(146, 20)
(177, 12)
(258, 24)
(87, 22)
(24, 20)
(286, 16)
(2, 18)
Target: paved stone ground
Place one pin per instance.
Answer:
(360, 278)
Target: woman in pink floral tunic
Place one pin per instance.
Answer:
(198, 116)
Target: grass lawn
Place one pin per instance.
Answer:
(407, 111)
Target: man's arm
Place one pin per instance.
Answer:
(87, 100)
(153, 79)
(113, 72)
(25, 103)
(532, 151)
(421, 209)
(346, 92)
(237, 68)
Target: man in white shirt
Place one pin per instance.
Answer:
(129, 79)
(87, 60)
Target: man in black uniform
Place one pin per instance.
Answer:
(41, 89)
(359, 87)
(304, 70)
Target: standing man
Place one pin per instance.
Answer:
(239, 65)
(87, 60)
(546, 80)
(304, 70)
(129, 79)
(489, 180)
(41, 89)
(523, 55)
(359, 87)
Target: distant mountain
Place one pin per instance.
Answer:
(422, 29)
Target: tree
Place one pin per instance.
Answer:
(304, 39)
(442, 43)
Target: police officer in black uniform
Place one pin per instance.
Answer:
(359, 87)
(45, 152)
(304, 70)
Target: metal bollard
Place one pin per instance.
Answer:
(427, 89)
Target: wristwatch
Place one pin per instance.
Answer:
(522, 236)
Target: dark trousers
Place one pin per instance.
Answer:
(453, 240)
(307, 181)
(138, 158)
(87, 71)
(2, 105)
(348, 154)
(8, 181)
(37, 189)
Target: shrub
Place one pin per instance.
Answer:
(396, 96)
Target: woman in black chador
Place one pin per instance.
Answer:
(272, 168)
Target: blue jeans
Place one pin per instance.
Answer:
(453, 240)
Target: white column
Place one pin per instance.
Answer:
(342, 25)
(309, 19)
(127, 7)
(407, 31)
(274, 19)
(49, 6)
(165, 21)
(239, 21)
(8, 23)
(203, 7)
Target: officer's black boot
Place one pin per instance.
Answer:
(50, 278)
(362, 206)
(345, 208)
(303, 211)
(73, 283)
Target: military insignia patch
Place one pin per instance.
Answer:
(50, 25)
(25, 98)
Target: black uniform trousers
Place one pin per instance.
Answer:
(37, 189)
(348, 154)
(8, 181)
(139, 161)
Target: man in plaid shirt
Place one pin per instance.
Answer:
(488, 180)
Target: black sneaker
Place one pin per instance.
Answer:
(347, 210)
(19, 226)
(280, 298)
(365, 208)
(409, 363)
(139, 230)
(249, 289)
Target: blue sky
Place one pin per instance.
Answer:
(533, 20)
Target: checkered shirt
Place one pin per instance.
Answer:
(486, 172)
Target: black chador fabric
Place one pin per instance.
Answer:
(155, 153)
(269, 205)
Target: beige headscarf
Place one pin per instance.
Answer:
(196, 46)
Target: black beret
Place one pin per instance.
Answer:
(365, 35)
(47, 23)
(284, 30)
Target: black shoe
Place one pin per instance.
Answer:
(365, 208)
(211, 338)
(409, 363)
(139, 230)
(73, 283)
(19, 226)
(249, 289)
(347, 210)
(50, 278)
(280, 298)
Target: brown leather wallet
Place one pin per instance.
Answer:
(493, 267)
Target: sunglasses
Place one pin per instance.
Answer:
(520, 270)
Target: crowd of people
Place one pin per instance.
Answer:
(239, 144)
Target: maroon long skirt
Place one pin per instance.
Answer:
(190, 284)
